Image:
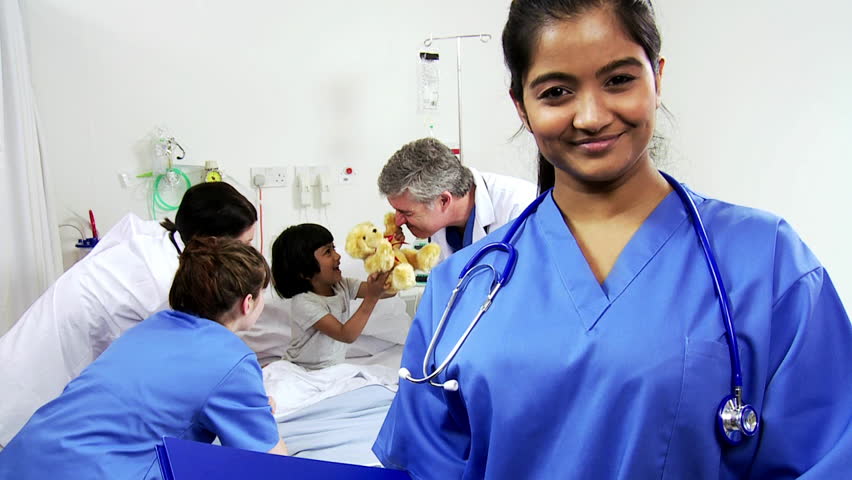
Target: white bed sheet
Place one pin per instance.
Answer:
(333, 420)
(294, 387)
(390, 357)
(339, 429)
(343, 427)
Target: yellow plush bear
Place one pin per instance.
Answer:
(381, 252)
(424, 259)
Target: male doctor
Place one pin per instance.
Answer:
(441, 199)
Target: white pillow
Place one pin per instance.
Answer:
(389, 320)
(367, 346)
(270, 336)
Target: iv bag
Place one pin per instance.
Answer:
(427, 82)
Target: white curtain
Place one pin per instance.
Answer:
(30, 258)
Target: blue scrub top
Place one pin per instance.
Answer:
(455, 239)
(172, 375)
(565, 377)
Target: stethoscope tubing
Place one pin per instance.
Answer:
(429, 351)
(732, 410)
(452, 385)
(500, 279)
(718, 285)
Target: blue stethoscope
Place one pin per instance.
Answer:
(735, 419)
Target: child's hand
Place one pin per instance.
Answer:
(398, 238)
(272, 404)
(376, 284)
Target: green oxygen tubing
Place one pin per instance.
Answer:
(157, 201)
(165, 152)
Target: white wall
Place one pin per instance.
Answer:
(256, 83)
(759, 92)
(755, 88)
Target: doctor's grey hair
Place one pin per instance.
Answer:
(425, 168)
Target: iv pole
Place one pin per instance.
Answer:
(484, 38)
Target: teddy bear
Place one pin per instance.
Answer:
(423, 259)
(382, 252)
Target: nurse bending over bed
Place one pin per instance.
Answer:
(124, 280)
(180, 373)
(605, 354)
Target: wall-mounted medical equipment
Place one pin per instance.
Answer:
(168, 177)
(305, 185)
(168, 182)
(346, 176)
(93, 240)
(171, 174)
(313, 186)
(484, 38)
(735, 419)
(85, 242)
(211, 171)
(323, 189)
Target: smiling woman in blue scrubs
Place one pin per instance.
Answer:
(605, 355)
(180, 373)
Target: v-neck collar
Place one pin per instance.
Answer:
(591, 298)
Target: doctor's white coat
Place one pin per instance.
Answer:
(122, 281)
(499, 199)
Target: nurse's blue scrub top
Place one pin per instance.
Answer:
(565, 377)
(172, 375)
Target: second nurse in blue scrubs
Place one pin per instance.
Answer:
(180, 373)
(605, 355)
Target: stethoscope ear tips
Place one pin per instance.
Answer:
(449, 385)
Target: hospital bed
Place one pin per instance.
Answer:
(334, 419)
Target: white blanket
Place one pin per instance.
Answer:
(294, 387)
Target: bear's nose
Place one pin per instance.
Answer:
(374, 230)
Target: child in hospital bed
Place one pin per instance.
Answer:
(180, 373)
(306, 268)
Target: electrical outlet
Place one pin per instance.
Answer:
(273, 176)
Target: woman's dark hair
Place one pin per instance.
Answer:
(214, 274)
(528, 17)
(293, 260)
(213, 209)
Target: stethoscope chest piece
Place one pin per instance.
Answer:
(736, 420)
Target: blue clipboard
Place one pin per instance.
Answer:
(188, 460)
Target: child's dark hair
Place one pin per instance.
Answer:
(293, 261)
(214, 274)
